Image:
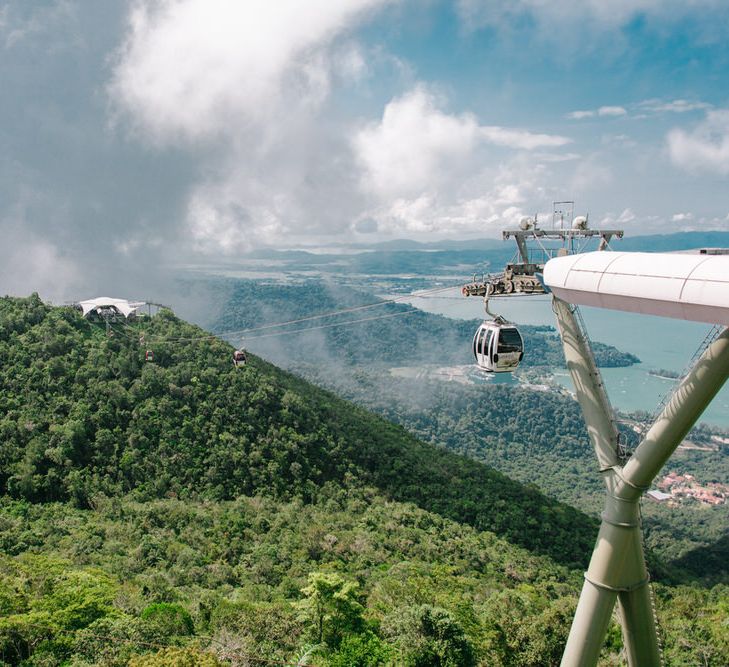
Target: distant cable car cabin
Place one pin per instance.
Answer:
(149, 355)
(498, 346)
(239, 358)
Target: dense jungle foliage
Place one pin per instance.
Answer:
(82, 414)
(539, 438)
(187, 512)
(352, 579)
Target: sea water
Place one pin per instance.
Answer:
(660, 343)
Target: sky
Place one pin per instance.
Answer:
(139, 135)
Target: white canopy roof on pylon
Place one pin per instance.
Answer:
(679, 285)
(123, 306)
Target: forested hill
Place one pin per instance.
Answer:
(187, 512)
(83, 415)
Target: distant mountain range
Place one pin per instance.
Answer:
(651, 243)
(457, 258)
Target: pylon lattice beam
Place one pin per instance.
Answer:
(617, 570)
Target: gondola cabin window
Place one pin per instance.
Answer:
(509, 341)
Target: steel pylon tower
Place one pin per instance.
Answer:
(617, 570)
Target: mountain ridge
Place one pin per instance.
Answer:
(85, 414)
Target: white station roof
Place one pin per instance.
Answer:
(125, 307)
(678, 285)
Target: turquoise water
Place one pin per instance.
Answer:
(660, 343)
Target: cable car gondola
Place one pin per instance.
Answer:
(239, 358)
(149, 355)
(498, 346)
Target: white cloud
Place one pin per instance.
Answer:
(305, 185)
(556, 157)
(646, 108)
(275, 163)
(706, 147)
(429, 172)
(28, 261)
(602, 111)
(675, 106)
(626, 216)
(4, 17)
(431, 215)
(520, 139)
(579, 115)
(416, 146)
(194, 69)
(219, 223)
(244, 86)
(483, 197)
(20, 24)
(682, 217)
(609, 220)
(590, 175)
(611, 111)
(350, 63)
(618, 141)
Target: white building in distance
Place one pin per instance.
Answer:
(105, 306)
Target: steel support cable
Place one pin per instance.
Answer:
(335, 324)
(275, 325)
(229, 334)
(280, 333)
(711, 335)
(221, 334)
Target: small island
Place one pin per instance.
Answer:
(665, 374)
